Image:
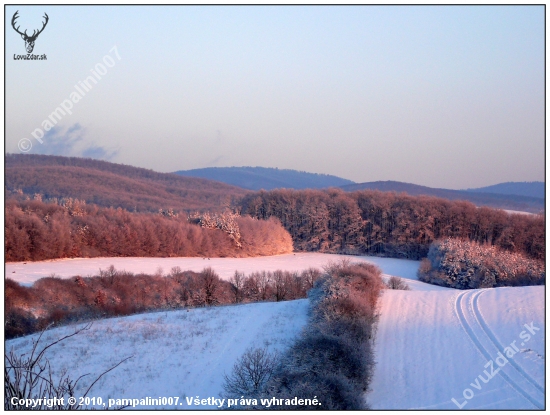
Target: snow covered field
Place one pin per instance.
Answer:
(27, 273)
(178, 353)
(432, 345)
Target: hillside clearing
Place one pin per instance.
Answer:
(176, 354)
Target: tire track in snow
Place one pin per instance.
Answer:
(469, 324)
(256, 321)
(216, 362)
(495, 341)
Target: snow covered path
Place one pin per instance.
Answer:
(467, 308)
(433, 345)
(176, 354)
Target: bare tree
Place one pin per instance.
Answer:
(29, 376)
(109, 274)
(296, 286)
(309, 276)
(210, 282)
(237, 281)
(282, 281)
(251, 372)
(175, 273)
(263, 283)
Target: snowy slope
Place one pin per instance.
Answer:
(178, 353)
(432, 345)
(432, 342)
(28, 272)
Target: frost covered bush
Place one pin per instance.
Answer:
(333, 359)
(463, 264)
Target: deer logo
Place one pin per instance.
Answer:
(29, 40)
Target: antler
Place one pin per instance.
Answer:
(14, 18)
(34, 35)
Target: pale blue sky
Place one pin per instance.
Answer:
(435, 95)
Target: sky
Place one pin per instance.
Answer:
(441, 96)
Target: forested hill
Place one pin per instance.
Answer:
(531, 189)
(257, 178)
(391, 224)
(109, 184)
(499, 201)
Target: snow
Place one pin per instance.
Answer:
(178, 353)
(432, 345)
(518, 212)
(28, 272)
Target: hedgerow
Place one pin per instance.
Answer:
(332, 362)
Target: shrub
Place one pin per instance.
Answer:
(19, 322)
(463, 264)
(397, 283)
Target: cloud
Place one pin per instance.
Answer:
(72, 141)
(97, 152)
(215, 161)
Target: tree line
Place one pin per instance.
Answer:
(54, 300)
(390, 224)
(35, 230)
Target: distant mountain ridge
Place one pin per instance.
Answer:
(137, 189)
(494, 200)
(257, 178)
(530, 189)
